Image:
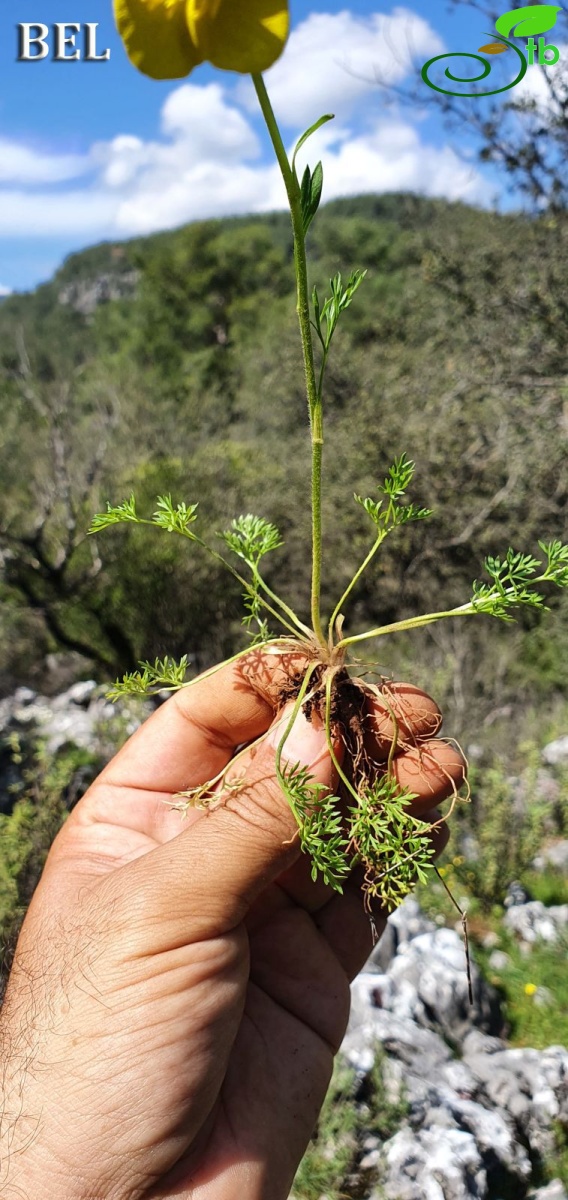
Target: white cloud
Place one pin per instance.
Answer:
(391, 157)
(198, 127)
(334, 61)
(206, 142)
(5, 291)
(57, 214)
(20, 164)
(207, 160)
(199, 169)
(208, 127)
(206, 190)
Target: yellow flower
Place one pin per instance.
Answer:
(168, 38)
(530, 989)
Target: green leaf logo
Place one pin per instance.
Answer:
(526, 22)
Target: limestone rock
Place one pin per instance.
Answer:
(80, 716)
(427, 983)
(555, 754)
(533, 921)
(405, 923)
(473, 1123)
(553, 1191)
(555, 856)
(432, 1164)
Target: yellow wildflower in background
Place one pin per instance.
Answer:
(530, 989)
(166, 39)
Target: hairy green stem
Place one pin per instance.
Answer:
(323, 365)
(276, 641)
(315, 407)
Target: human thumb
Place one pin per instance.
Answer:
(205, 880)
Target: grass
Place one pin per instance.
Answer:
(533, 987)
(333, 1147)
(550, 886)
(351, 1113)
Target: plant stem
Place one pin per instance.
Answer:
(337, 610)
(323, 365)
(296, 629)
(303, 629)
(275, 641)
(236, 574)
(297, 706)
(464, 610)
(315, 407)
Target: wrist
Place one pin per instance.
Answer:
(32, 1176)
(31, 1169)
(31, 1173)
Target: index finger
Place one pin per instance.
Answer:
(194, 734)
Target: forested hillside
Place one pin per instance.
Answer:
(172, 363)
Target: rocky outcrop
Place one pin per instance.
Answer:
(81, 716)
(426, 982)
(554, 1191)
(534, 921)
(554, 856)
(86, 295)
(479, 1113)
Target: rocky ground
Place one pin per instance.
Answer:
(480, 1113)
(79, 717)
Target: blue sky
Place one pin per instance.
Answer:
(95, 151)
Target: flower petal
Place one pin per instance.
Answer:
(239, 35)
(156, 37)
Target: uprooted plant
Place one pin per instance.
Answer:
(369, 822)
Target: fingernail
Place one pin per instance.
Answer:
(306, 741)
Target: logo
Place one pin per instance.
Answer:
(531, 23)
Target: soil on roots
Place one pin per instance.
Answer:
(348, 715)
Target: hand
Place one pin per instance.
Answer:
(180, 988)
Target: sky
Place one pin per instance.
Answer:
(96, 151)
